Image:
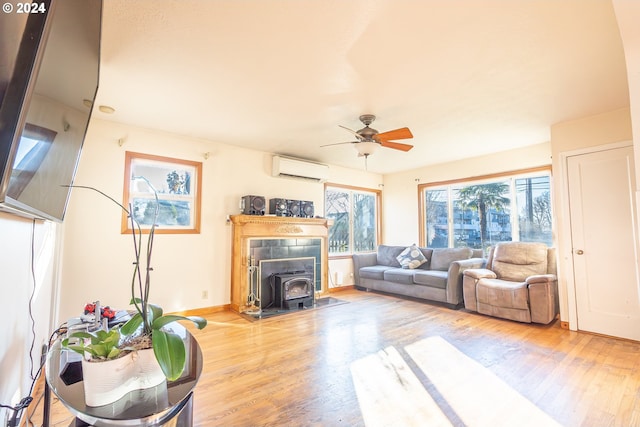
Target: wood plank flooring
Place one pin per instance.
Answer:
(295, 369)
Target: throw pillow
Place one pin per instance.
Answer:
(412, 257)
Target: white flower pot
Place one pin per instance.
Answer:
(107, 381)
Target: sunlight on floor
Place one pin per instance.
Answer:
(390, 394)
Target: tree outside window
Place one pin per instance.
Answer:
(480, 214)
(355, 218)
(483, 200)
(534, 217)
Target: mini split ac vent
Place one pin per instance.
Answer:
(287, 167)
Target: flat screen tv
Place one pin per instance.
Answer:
(49, 71)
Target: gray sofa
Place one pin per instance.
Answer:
(438, 279)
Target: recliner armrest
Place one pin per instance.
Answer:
(543, 300)
(541, 278)
(480, 273)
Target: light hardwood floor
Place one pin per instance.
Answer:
(295, 370)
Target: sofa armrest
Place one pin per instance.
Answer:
(543, 300)
(454, 278)
(475, 263)
(480, 273)
(362, 260)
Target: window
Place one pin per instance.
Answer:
(35, 143)
(481, 212)
(355, 215)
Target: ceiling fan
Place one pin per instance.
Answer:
(368, 139)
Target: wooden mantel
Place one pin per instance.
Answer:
(248, 227)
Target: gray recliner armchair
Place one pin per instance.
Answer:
(519, 283)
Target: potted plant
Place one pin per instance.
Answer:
(146, 328)
(112, 368)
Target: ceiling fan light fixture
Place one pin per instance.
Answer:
(366, 148)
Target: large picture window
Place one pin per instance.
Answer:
(355, 216)
(481, 212)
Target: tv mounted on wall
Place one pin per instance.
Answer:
(49, 70)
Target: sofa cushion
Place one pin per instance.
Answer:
(502, 293)
(518, 260)
(433, 278)
(374, 272)
(427, 252)
(412, 257)
(399, 275)
(387, 255)
(441, 258)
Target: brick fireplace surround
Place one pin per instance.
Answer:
(289, 235)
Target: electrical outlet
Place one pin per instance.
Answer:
(205, 294)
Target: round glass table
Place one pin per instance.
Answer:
(168, 404)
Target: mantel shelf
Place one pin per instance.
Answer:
(272, 219)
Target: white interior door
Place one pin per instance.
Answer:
(602, 210)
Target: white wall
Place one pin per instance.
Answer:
(97, 258)
(17, 285)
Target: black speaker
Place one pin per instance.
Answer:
(278, 207)
(252, 205)
(306, 209)
(293, 207)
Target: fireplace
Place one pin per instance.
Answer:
(285, 283)
(293, 290)
(259, 242)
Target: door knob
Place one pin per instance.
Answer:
(579, 252)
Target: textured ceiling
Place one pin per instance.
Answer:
(468, 77)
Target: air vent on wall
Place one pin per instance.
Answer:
(301, 169)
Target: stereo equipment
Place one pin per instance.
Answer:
(278, 207)
(293, 207)
(306, 209)
(252, 205)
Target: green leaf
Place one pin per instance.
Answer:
(170, 353)
(115, 351)
(100, 350)
(80, 349)
(99, 336)
(170, 318)
(132, 325)
(156, 311)
(81, 334)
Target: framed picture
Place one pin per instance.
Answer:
(177, 184)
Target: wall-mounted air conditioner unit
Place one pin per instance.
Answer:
(287, 167)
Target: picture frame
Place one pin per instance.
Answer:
(177, 184)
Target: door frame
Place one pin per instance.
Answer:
(566, 280)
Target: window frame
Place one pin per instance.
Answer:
(378, 207)
(515, 174)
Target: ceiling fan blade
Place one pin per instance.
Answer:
(340, 143)
(402, 133)
(396, 145)
(360, 138)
